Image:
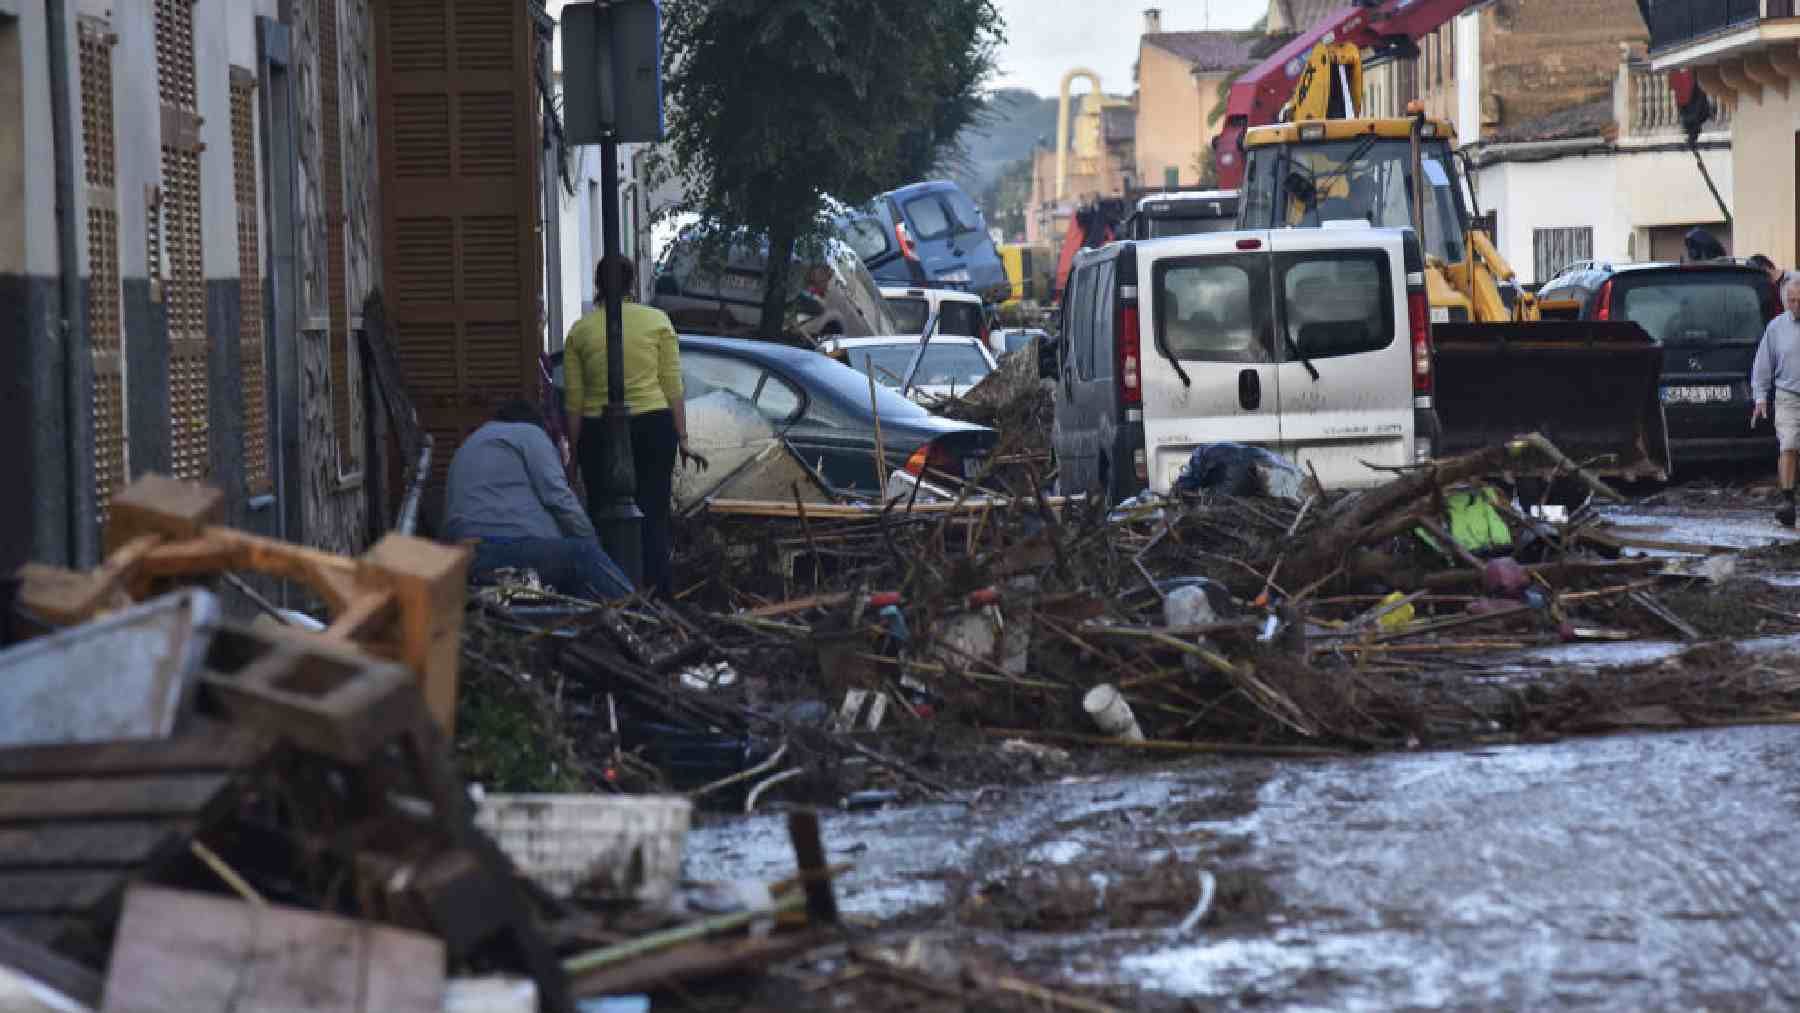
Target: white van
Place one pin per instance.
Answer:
(1308, 342)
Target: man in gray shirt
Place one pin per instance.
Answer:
(508, 491)
(1775, 384)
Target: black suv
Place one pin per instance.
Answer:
(1708, 317)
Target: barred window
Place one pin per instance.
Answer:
(1554, 249)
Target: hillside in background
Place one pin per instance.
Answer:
(1014, 121)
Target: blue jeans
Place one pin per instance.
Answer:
(574, 566)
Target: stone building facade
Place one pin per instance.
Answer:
(1509, 63)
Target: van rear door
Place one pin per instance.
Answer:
(1206, 330)
(1345, 378)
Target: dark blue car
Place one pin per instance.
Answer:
(928, 234)
(823, 408)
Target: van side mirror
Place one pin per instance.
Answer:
(1046, 356)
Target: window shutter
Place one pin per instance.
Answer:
(105, 327)
(184, 290)
(459, 206)
(253, 374)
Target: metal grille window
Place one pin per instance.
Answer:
(1554, 249)
(184, 291)
(344, 398)
(105, 326)
(252, 376)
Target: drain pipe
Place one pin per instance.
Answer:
(82, 550)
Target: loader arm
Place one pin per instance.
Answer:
(1257, 97)
(1479, 279)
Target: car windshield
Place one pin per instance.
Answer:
(867, 237)
(1162, 228)
(1695, 309)
(968, 216)
(955, 364)
(929, 218)
(962, 318)
(909, 313)
(1368, 178)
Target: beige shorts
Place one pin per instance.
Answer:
(1787, 419)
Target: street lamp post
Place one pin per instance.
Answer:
(621, 522)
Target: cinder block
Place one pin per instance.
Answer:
(160, 505)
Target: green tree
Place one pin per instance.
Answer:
(776, 104)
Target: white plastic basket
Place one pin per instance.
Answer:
(615, 847)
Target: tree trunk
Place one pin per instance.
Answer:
(775, 280)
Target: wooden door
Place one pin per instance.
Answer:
(461, 270)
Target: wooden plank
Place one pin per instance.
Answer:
(200, 954)
(112, 798)
(858, 511)
(200, 746)
(693, 962)
(86, 844)
(52, 968)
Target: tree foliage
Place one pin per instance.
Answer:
(774, 105)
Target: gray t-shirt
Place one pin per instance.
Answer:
(1777, 358)
(507, 481)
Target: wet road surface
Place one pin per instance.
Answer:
(1632, 873)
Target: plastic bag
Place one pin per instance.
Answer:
(1236, 469)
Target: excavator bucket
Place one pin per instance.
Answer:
(1592, 387)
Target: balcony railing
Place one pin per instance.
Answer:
(1653, 109)
(1673, 22)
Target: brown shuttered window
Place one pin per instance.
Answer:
(250, 303)
(105, 329)
(184, 290)
(331, 143)
(462, 266)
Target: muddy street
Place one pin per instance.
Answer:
(1636, 872)
(1631, 872)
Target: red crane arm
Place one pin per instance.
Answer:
(1257, 97)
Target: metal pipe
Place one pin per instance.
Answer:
(409, 507)
(82, 549)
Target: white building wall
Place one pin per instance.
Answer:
(1616, 194)
(1565, 193)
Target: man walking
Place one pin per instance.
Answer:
(507, 489)
(1775, 384)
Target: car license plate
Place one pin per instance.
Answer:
(1696, 395)
(972, 466)
(956, 275)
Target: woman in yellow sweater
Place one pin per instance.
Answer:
(653, 393)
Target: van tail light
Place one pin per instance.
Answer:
(1418, 316)
(903, 239)
(933, 456)
(1130, 366)
(1603, 302)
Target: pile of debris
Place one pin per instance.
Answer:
(205, 815)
